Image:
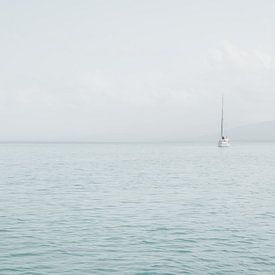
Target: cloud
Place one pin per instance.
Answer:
(164, 101)
(230, 55)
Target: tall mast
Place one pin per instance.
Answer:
(222, 119)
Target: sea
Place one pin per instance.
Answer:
(137, 208)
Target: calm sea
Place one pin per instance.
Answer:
(137, 209)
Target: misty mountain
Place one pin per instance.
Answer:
(263, 131)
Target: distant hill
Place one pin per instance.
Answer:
(264, 131)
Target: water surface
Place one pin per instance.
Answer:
(137, 209)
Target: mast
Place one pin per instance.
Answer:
(222, 119)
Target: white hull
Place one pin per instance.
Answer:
(223, 143)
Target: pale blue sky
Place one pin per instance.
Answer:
(103, 70)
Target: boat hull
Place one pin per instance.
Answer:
(223, 143)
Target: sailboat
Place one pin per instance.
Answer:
(224, 141)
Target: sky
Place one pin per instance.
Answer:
(124, 70)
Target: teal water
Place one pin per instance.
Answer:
(137, 209)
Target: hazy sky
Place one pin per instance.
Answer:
(136, 70)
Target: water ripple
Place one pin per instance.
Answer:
(137, 209)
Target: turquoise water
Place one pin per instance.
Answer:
(137, 209)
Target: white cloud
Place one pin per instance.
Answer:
(242, 58)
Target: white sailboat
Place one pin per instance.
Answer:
(224, 141)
